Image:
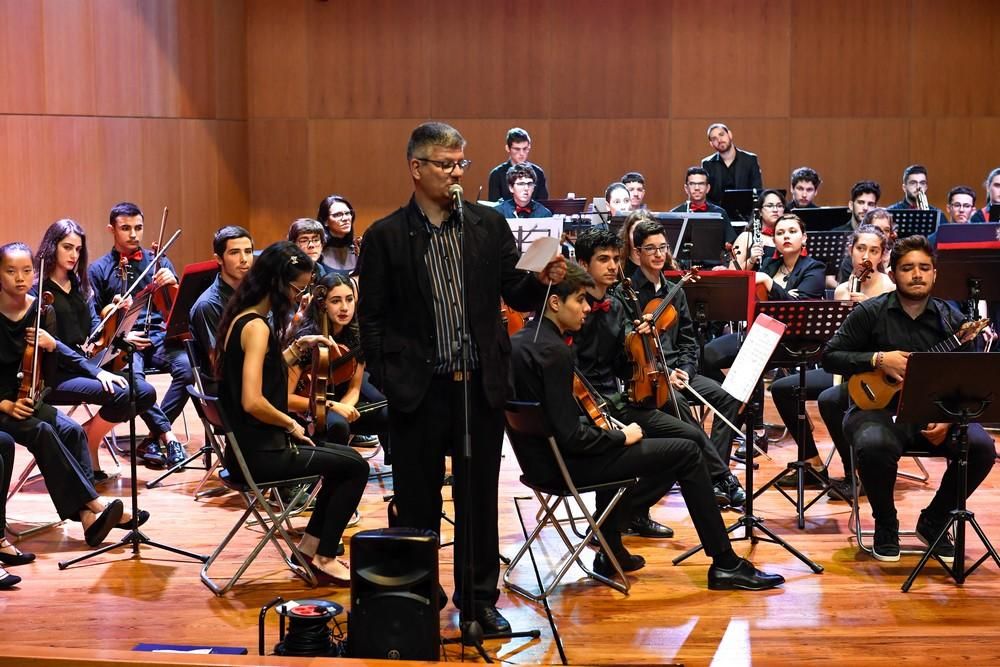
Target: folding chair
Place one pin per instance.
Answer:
(854, 521)
(544, 472)
(34, 526)
(253, 495)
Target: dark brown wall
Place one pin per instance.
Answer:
(250, 111)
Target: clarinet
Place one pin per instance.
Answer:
(755, 228)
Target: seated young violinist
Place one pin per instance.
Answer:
(542, 371)
(602, 359)
(44, 431)
(126, 226)
(64, 252)
(680, 348)
(253, 392)
(333, 310)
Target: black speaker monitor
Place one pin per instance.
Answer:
(395, 596)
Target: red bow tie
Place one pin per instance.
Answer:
(602, 306)
(522, 209)
(136, 256)
(699, 208)
(568, 340)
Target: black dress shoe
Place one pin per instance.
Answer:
(629, 563)
(744, 577)
(644, 526)
(741, 452)
(107, 520)
(928, 530)
(8, 580)
(17, 558)
(125, 525)
(491, 620)
(790, 481)
(152, 455)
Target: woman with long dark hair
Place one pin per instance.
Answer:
(64, 251)
(337, 307)
(339, 251)
(253, 372)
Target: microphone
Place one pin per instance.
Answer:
(456, 195)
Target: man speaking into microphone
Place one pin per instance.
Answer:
(412, 276)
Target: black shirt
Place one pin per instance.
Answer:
(808, 276)
(75, 314)
(498, 188)
(880, 324)
(542, 371)
(600, 346)
(204, 318)
(680, 347)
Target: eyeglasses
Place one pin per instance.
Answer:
(697, 185)
(774, 207)
(655, 249)
(299, 291)
(342, 215)
(447, 166)
(524, 184)
(306, 241)
(962, 206)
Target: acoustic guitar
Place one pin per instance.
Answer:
(873, 390)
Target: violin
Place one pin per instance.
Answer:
(163, 297)
(111, 316)
(860, 275)
(649, 383)
(587, 399)
(32, 384)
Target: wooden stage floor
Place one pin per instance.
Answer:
(852, 614)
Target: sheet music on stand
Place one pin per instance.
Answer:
(754, 354)
(126, 325)
(823, 218)
(914, 221)
(829, 248)
(527, 230)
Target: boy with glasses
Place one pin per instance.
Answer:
(521, 185)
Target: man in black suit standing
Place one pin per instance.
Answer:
(729, 168)
(411, 332)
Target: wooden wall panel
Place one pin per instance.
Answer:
(955, 79)
(277, 59)
(69, 58)
(22, 77)
(364, 68)
(845, 151)
(596, 153)
(513, 49)
(730, 60)
(278, 176)
(852, 58)
(609, 60)
(196, 48)
(230, 58)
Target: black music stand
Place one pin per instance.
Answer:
(717, 296)
(910, 221)
(955, 388)
(195, 279)
(823, 218)
(134, 537)
(994, 213)
(809, 325)
(966, 235)
(968, 275)
(569, 206)
(828, 247)
(739, 204)
(706, 237)
(748, 520)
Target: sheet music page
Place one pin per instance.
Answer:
(528, 230)
(753, 356)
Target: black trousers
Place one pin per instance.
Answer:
(833, 405)
(720, 353)
(420, 442)
(159, 418)
(344, 476)
(659, 424)
(6, 470)
(375, 422)
(114, 406)
(657, 462)
(783, 394)
(879, 443)
(68, 485)
(722, 436)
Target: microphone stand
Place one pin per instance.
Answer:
(134, 536)
(470, 629)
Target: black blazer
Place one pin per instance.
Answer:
(746, 173)
(808, 276)
(395, 302)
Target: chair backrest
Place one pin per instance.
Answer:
(533, 443)
(208, 407)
